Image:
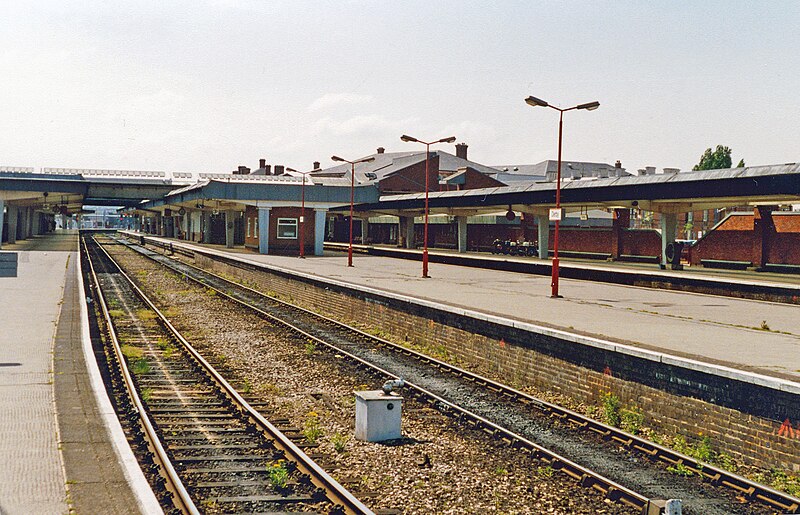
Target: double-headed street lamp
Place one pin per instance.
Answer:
(302, 254)
(537, 102)
(451, 139)
(352, 194)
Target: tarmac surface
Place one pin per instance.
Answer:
(748, 335)
(57, 453)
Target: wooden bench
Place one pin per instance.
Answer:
(726, 263)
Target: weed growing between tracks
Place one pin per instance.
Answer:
(436, 466)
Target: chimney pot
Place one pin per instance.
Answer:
(316, 165)
(461, 150)
(381, 150)
(618, 164)
(279, 169)
(262, 163)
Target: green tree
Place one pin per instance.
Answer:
(741, 164)
(714, 160)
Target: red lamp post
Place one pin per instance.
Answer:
(451, 139)
(590, 106)
(352, 195)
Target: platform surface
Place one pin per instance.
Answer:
(53, 445)
(752, 336)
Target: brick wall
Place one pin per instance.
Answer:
(412, 178)
(583, 240)
(784, 243)
(280, 245)
(734, 239)
(742, 419)
(641, 242)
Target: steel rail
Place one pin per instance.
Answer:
(741, 485)
(586, 477)
(181, 497)
(337, 493)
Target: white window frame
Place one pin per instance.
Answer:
(287, 222)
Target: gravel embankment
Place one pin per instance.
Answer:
(438, 467)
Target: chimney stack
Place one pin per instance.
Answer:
(316, 165)
(279, 169)
(262, 163)
(381, 150)
(243, 170)
(461, 150)
(618, 164)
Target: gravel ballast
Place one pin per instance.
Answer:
(438, 466)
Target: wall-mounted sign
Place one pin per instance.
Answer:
(556, 214)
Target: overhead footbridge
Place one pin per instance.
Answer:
(30, 199)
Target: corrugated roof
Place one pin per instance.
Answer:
(626, 181)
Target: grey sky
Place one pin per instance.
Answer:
(208, 85)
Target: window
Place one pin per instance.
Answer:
(287, 228)
(248, 227)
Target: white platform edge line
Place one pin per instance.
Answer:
(783, 385)
(145, 498)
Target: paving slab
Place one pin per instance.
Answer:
(31, 467)
(58, 450)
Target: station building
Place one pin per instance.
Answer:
(610, 213)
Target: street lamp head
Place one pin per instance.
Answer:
(536, 102)
(366, 160)
(409, 138)
(590, 106)
(451, 139)
(292, 170)
(337, 158)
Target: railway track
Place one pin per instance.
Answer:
(497, 409)
(212, 451)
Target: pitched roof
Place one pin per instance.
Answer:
(388, 163)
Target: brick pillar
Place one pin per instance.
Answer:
(621, 221)
(763, 226)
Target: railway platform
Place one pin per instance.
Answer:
(61, 448)
(757, 340)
